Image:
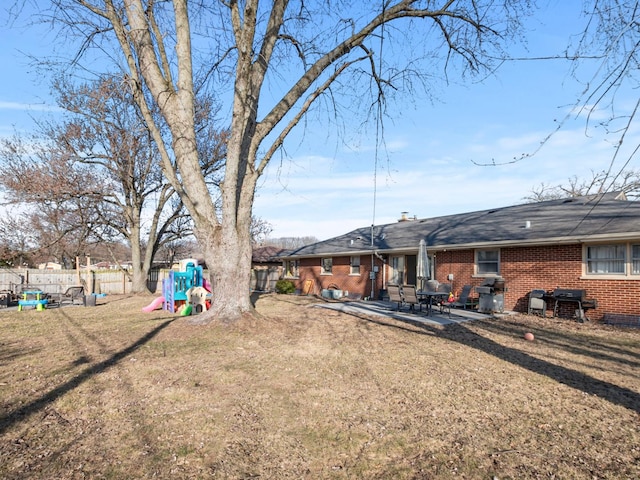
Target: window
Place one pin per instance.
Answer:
(326, 265)
(397, 270)
(291, 268)
(487, 262)
(355, 266)
(618, 259)
(635, 259)
(603, 259)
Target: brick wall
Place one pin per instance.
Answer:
(544, 267)
(523, 268)
(460, 263)
(340, 276)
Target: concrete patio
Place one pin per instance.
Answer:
(388, 309)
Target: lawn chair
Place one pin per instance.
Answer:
(395, 295)
(432, 285)
(537, 303)
(411, 297)
(73, 295)
(463, 299)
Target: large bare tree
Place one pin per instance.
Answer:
(103, 130)
(274, 61)
(93, 176)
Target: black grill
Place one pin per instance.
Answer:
(576, 296)
(569, 294)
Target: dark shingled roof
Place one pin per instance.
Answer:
(266, 254)
(571, 220)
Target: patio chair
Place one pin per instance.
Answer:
(432, 285)
(463, 299)
(443, 302)
(73, 295)
(395, 295)
(537, 303)
(411, 297)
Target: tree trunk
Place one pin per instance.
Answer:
(140, 266)
(227, 245)
(229, 262)
(139, 281)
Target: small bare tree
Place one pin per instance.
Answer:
(260, 230)
(627, 182)
(44, 191)
(16, 241)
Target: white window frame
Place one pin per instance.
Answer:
(630, 262)
(324, 263)
(354, 265)
(478, 262)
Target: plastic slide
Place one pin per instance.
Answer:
(186, 311)
(206, 284)
(154, 305)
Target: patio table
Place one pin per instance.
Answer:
(428, 297)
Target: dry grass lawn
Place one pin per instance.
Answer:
(305, 392)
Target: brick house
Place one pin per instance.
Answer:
(590, 243)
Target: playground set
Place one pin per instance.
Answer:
(184, 292)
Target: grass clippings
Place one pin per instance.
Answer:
(306, 392)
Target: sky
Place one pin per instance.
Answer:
(452, 154)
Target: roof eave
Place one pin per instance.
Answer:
(608, 237)
(349, 253)
(603, 237)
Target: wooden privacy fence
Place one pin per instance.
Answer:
(264, 279)
(57, 281)
(112, 282)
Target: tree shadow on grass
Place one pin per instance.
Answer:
(254, 297)
(459, 333)
(604, 349)
(16, 416)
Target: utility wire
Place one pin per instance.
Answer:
(379, 123)
(379, 135)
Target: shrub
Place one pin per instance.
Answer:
(285, 286)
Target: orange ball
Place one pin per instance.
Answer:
(529, 336)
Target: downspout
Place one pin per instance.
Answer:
(372, 275)
(384, 280)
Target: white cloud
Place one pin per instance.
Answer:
(325, 199)
(41, 107)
